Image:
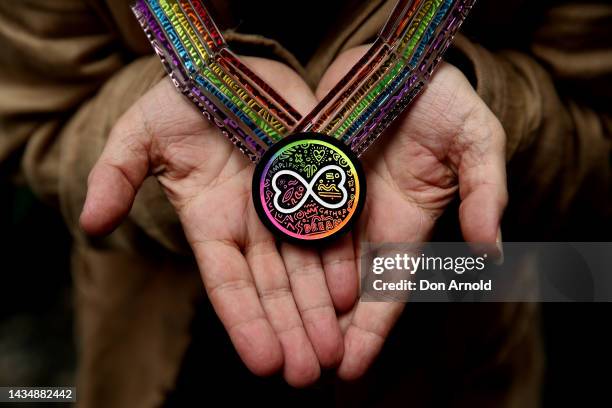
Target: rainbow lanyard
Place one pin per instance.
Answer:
(308, 184)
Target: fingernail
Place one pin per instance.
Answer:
(500, 248)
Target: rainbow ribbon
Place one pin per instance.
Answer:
(253, 116)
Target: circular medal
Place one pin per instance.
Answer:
(309, 187)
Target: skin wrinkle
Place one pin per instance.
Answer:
(222, 179)
(158, 152)
(478, 159)
(345, 320)
(305, 270)
(468, 169)
(337, 261)
(274, 290)
(233, 285)
(444, 113)
(174, 151)
(280, 292)
(501, 200)
(249, 247)
(318, 307)
(224, 242)
(185, 146)
(287, 330)
(407, 199)
(138, 150)
(462, 146)
(378, 337)
(428, 184)
(143, 118)
(126, 177)
(239, 325)
(185, 203)
(389, 180)
(136, 146)
(247, 214)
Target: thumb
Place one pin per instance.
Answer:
(117, 175)
(339, 68)
(482, 182)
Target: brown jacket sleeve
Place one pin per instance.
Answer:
(552, 98)
(54, 56)
(66, 76)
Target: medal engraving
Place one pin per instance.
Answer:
(308, 187)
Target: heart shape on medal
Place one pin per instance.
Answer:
(292, 191)
(319, 155)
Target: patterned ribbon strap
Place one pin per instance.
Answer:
(391, 74)
(249, 112)
(254, 117)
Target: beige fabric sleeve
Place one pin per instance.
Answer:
(66, 81)
(551, 101)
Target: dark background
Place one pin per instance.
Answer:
(36, 318)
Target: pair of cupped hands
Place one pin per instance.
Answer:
(294, 308)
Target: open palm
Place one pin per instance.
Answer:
(273, 301)
(448, 142)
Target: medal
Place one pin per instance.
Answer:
(308, 184)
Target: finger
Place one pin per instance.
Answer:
(314, 302)
(340, 67)
(345, 320)
(286, 82)
(482, 182)
(365, 336)
(320, 325)
(301, 366)
(339, 264)
(117, 175)
(232, 292)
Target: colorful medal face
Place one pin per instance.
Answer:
(309, 188)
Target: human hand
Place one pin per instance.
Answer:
(273, 301)
(448, 142)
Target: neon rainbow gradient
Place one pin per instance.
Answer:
(350, 209)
